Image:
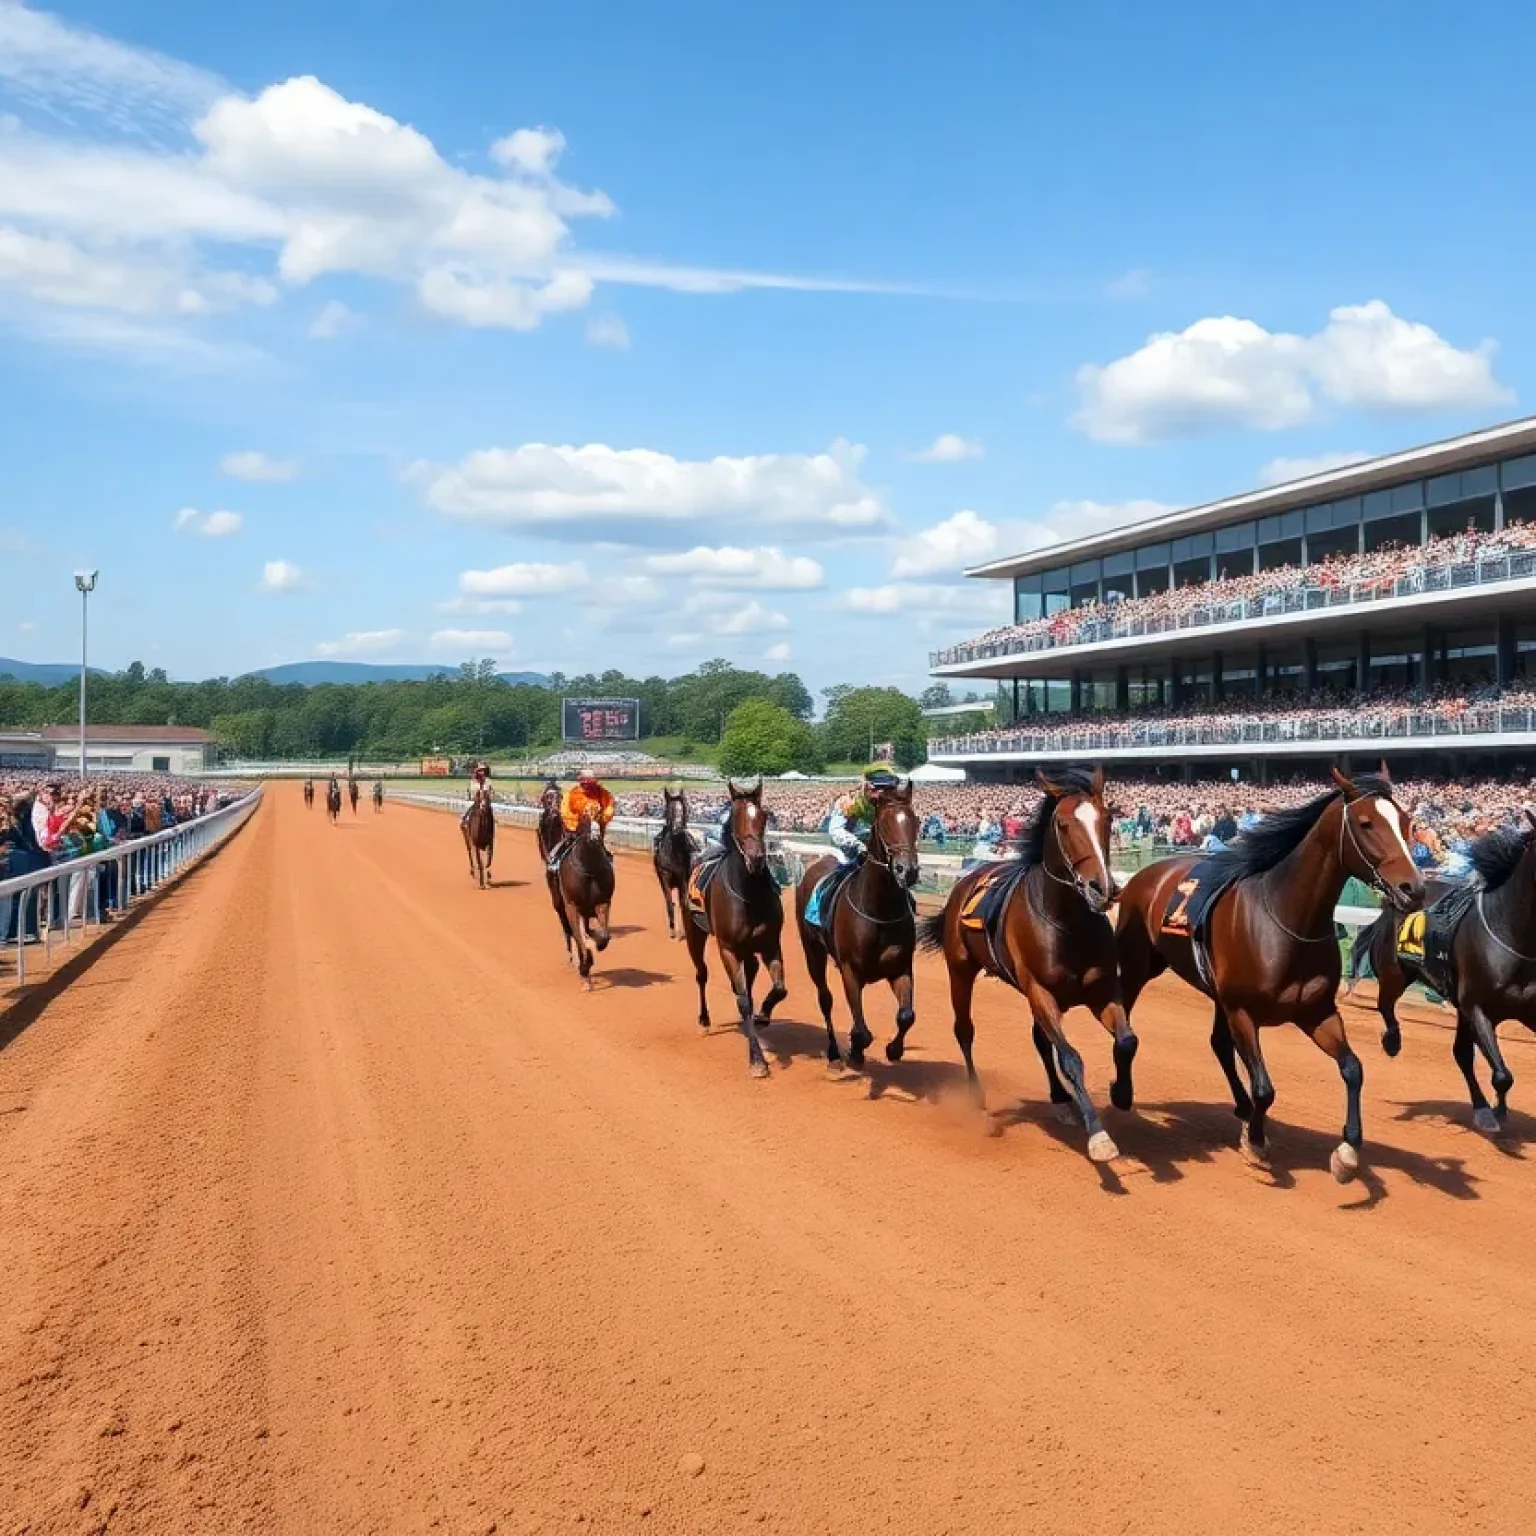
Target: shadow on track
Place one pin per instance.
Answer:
(629, 976)
(1517, 1132)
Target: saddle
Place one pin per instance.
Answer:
(820, 909)
(1189, 912)
(700, 878)
(984, 906)
(1426, 940)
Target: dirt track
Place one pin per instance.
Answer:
(331, 1205)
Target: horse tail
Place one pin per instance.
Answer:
(1362, 949)
(930, 933)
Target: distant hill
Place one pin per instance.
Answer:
(310, 673)
(49, 673)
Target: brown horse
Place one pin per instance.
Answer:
(673, 858)
(1050, 941)
(333, 801)
(352, 794)
(309, 794)
(874, 927)
(1493, 963)
(479, 829)
(745, 913)
(582, 892)
(1273, 945)
(378, 797)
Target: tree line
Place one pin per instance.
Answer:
(749, 721)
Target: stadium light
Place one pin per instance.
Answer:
(85, 584)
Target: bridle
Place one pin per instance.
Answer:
(1078, 882)
(888, 864)
(1376, 880)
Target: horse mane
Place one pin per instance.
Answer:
(1070, 781)
(1280, 833)
(1496, 855)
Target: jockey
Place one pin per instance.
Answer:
(479, 784)
(853, 814)
(586, 797)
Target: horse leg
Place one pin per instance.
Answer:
(741, 985)
(962, 983)
(859, 1037)
(1112, 1015)
(906, 1015)
(1101, 1146)
(1391, 983)
(1464, 1050)
(1244, 1034)
(1486, 1034)
(1221, 1044)
(773, 958)
(666, 896)
(1329, 1037)
(816, 966)
(1059, 1095)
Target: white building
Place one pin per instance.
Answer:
(173, 749)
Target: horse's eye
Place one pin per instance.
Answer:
(1365, 823)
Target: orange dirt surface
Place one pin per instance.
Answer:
(331, 1204)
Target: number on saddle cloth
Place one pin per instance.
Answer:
(699, 880)
(1189, 911)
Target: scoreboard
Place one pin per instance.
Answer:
(600, 719)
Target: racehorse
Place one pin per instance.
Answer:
(873, 927)
(550, 828)
(741, 906)
(479, 830)
(582, 892)
(333, 801)
(1049, 939)
(1493, 963)
(352, 794)
(673, 858)
(309, 794)
(1272, 945)
(378, 796)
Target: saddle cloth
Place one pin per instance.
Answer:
(820, 910)
(983, 906)
(699, 880)
(1189, 912)
(1425, 940)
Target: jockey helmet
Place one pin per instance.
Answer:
(878, 776)
(586, 777)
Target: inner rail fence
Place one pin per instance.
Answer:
(68, 902)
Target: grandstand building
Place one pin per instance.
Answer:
(108, 748)
(1211, 640)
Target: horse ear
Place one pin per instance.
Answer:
(1386, 777)
(735, 793)
(1053, 790)
(1347, 785)
(1530, 816)
(757, 793)
(1098, 781)
(905, 792)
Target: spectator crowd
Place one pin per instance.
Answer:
(1393, 570)
(48, 819)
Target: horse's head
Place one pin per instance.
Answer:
(749, 825)
(896, 832)
(589, 829)
(549, 800)
(677, 809)
(1374, 839)
(1080, 829)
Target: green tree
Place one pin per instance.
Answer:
(860, 718)
(936, 696)
(765, 738)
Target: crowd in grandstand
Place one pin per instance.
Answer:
(48, 819)
(1367, 575)
(1322, 715)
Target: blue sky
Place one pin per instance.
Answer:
(610, 335)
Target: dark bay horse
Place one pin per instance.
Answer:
(1273, 948)
(352, 794)
(874, 927)
(673, 858)
(479, 830)
(378, 796)
(582, 892)
(309, 794)
(1052, 942)
(1493, 956)
(745, 913)
(333, 801)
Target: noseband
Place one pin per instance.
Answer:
(1375, 880)
(1078, 882)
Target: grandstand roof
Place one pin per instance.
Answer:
(123, 735)
(1512, 437)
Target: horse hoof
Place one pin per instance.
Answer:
(1064, 1113)
(761, 1021)
(895, 1050)
(757, 1069)
(1391, 1043)
(1101, 1149)
(1345, 1162)
(1122, 1098)
(841, 1072)
(1486, 1121)
(1254, 1155)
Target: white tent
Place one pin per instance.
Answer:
(935, 773)
(794, 773)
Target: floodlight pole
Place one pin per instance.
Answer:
(85, 584)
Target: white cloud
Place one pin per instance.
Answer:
(1065, 519)
(608, 331)
(963, 539)
(751, 618)
(1226, 371)
(335, 319)
(765, 568)
(1279, 471)
(638, 494)
(778, 652)
(252, 464)
(524, 579)
(460, 293)
(1135, 284)
(948, 448)
(971, 602)
(480, 605)
(362, 642)
(209, 525)
(282, 576)
(463, 640)
(27, 627)
(531, 150)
